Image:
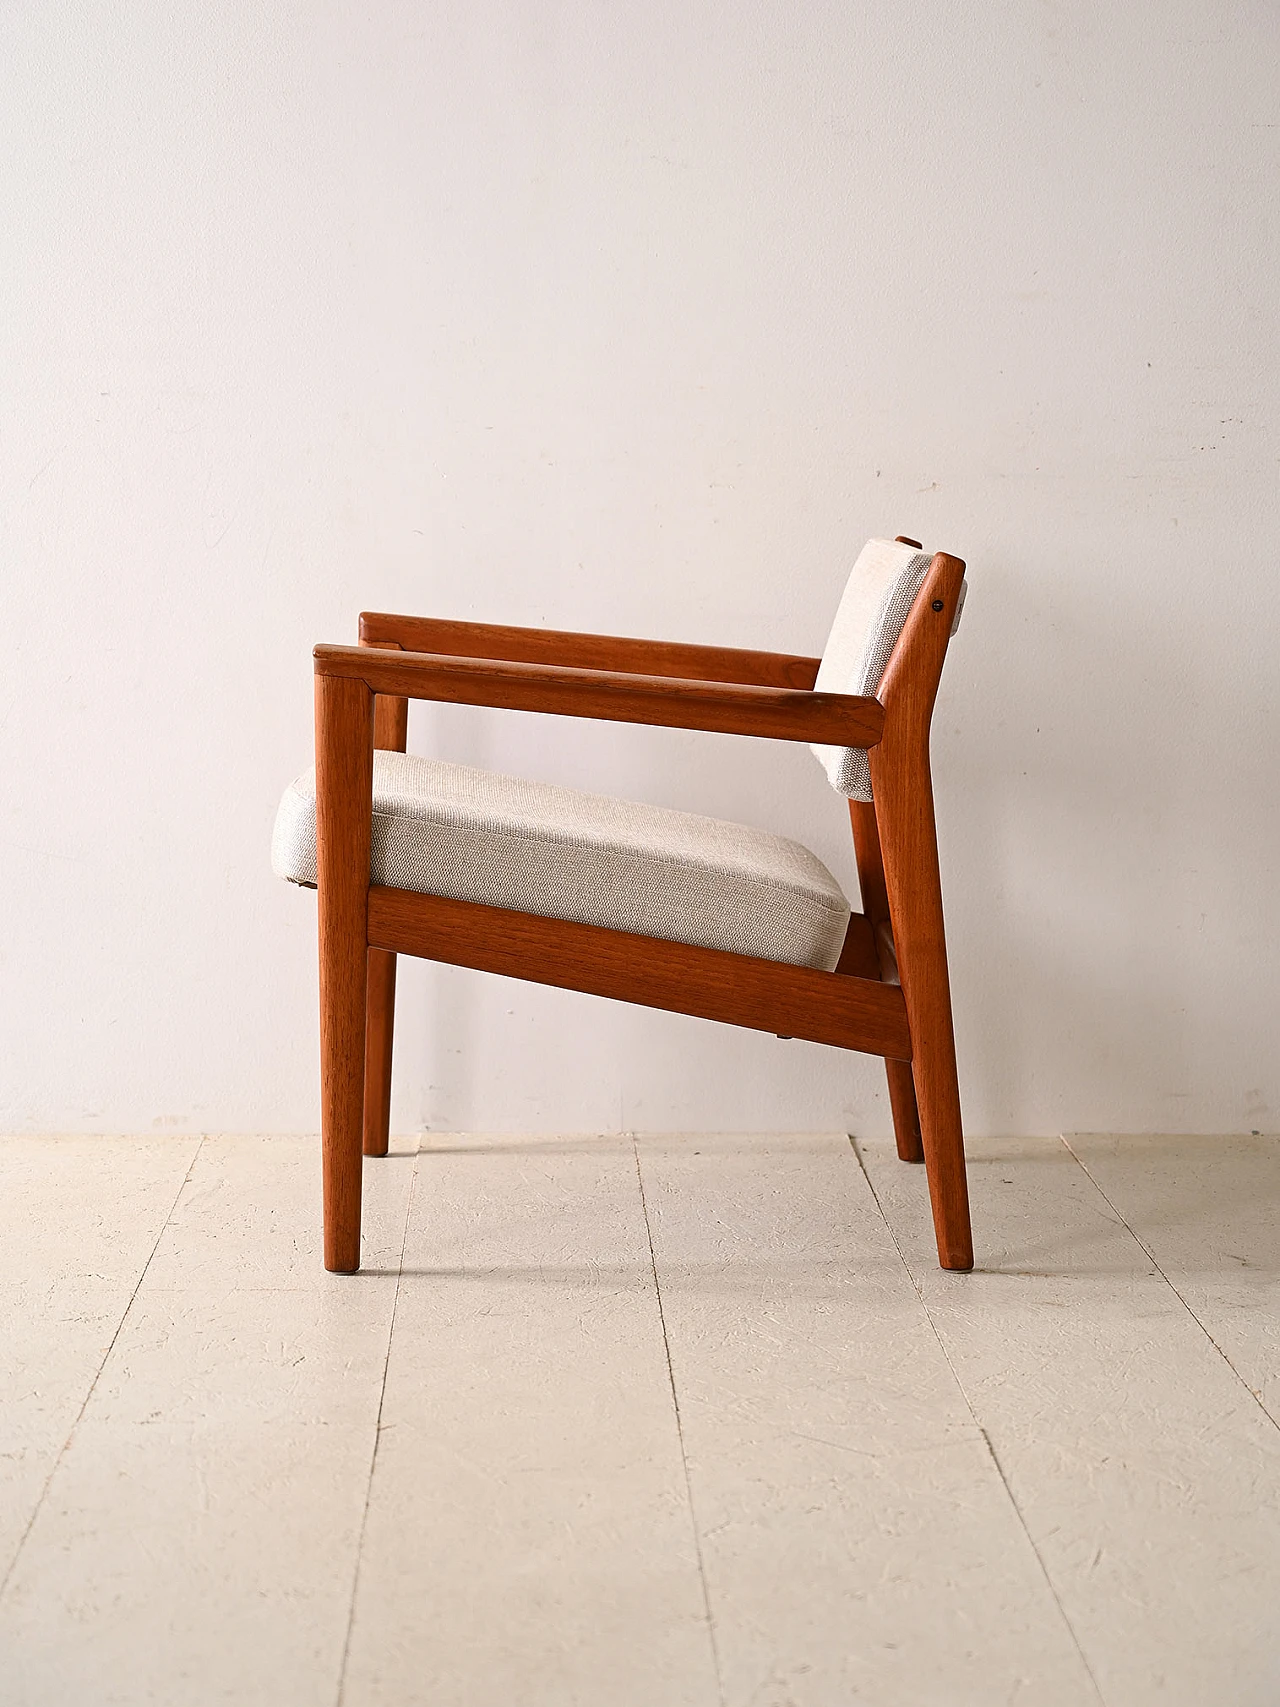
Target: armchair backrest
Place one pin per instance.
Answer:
(877, 600)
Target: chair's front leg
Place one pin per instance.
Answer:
(344, 801)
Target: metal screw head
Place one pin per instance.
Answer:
(937, 604)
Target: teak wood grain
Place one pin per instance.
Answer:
(737, 989)
(732, 708)
(588, 651)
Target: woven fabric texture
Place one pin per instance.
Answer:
(473, 835)
(872, 614)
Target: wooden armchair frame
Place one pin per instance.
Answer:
(889, 995)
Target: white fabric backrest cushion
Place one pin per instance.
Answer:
(872, 614)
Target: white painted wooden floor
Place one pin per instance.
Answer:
(640, 1424)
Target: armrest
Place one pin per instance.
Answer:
(587, 651)
(733, 708)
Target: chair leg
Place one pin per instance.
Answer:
(909, 841)
(875, 904)
(344, 789)
(390, 732)
(379, 1027)
(922, 966)
(906, 1115)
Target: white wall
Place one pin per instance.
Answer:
(640, 319)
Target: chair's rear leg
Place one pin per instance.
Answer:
(906, 1115)
(379, 1029)
(914, 890)
(344, 788)
(875, 904)
(923, 968)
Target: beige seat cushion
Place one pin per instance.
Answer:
(472, 835)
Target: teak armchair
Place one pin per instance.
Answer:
(883, 989)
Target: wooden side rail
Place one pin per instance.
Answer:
(732, 708)
(737, 989)
(587, 651)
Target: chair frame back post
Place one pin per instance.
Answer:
(896, 844)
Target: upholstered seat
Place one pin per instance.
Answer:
(473, 835)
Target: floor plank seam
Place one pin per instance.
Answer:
(97, 1375)
(377, 1432)
(1150, 1255)
(986, 1438)
(675, 1405)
